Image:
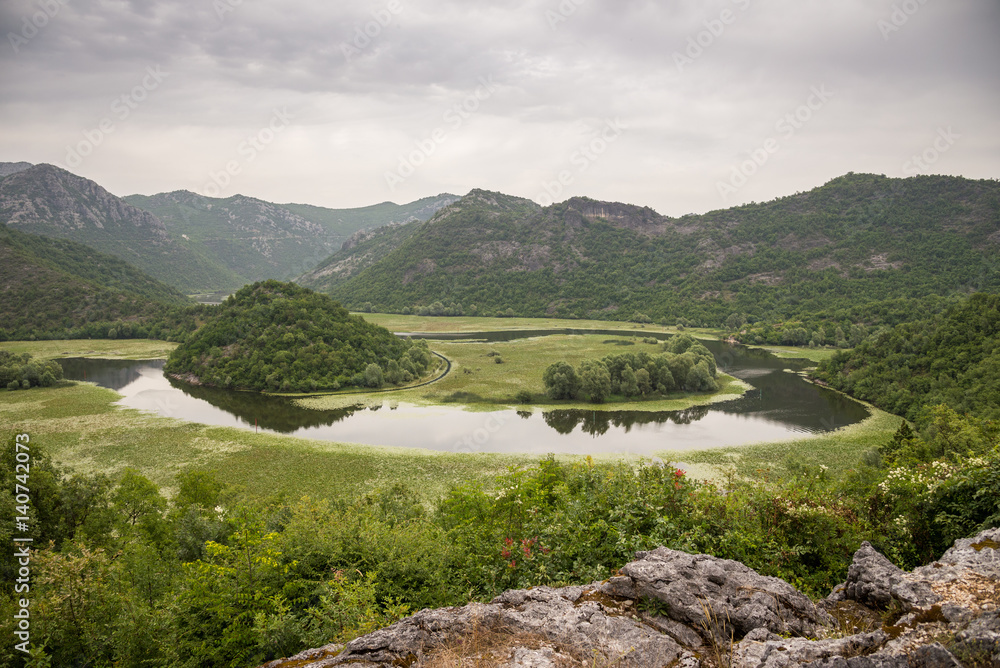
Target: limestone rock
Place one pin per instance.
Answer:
(669, 608)
(721, 597)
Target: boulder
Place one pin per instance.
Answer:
(670, 608)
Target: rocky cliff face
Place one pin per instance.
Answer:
(668, 608)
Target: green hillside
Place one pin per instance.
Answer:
(951, 358)
(861, 248)
(55, 288)
(279, 336)
(362, 250)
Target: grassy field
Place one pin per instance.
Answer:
(477, 381)
(126, 349)
(801, 353)
(416, 323)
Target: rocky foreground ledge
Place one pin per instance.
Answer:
(669, 608)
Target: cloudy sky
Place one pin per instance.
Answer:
(681, 106)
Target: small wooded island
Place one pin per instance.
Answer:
(686, 365)
(279, 337)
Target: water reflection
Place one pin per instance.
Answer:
(272, 413)
(779, 406)
(597, 423)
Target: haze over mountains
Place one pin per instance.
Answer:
(193, 243)
(861, 248)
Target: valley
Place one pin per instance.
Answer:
(566, 385)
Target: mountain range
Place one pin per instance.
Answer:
(862, 247)
(193, 243)
(58, 287)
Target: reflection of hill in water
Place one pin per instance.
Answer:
(113, 374)
(274, 413)
(777, 397)
(599, 422)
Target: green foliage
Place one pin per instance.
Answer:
(273, 336)
(210, 579)
(21, 370)
(952, 358)
(561, 381)
(637, 374)
(56, 288)
(861, 250)
(595, 380)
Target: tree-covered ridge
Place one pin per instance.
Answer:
(686, 365)
(861, 249)
(952, 358)
(56, 288)
(273, 336)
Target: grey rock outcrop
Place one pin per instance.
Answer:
(669, 608)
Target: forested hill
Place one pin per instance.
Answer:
(280, 336)
(952, 358)
(862, 247)
(58, 288)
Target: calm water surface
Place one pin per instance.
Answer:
(780, 406)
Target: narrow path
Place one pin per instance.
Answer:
(447, 370)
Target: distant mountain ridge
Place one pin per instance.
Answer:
(257, 240)
(50, 201)
(859, 244)
(8, 168)
(194, 243)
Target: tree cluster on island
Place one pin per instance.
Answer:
(684, 365)
(273, 336)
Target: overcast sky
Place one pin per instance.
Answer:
(682, 106)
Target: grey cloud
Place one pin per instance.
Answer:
(561, 67)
